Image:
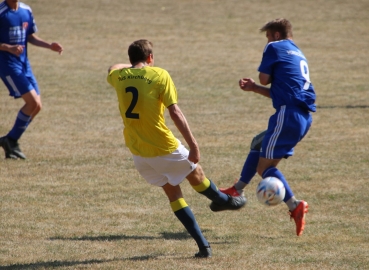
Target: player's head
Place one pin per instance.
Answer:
(12, 3)
(277, 29)
(141, 51)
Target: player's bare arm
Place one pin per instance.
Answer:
(264, 78)
(13, 49)
(183, 127)
(35, 40)
(119, 66)
(249, 85)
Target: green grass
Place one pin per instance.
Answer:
(77, 202)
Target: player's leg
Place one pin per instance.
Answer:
(180, 167)
(32, 104)
(279, 141)
(249, 167)
(30, 109)
(25, 87)
(298, 208)
(206, 187)
(185, 215)
(155, 172)
(267, 168)
(175, 167)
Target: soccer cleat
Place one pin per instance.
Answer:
(232, 191)
(4, 143)
(16, 150)
(299, 216)
(10, 156)
(11, 148)
(204, 253)
(233, 203)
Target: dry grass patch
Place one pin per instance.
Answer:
(78, 202)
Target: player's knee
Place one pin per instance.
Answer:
(199, 172)
(39, 106)
(257, 140)
(35, 107)
(260, 171)
(196, 176)
(261, 168)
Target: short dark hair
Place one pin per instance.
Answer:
(139, 50)
(281, 25)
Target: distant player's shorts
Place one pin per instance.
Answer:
(285, 129)
(19, 84)
(161, 170)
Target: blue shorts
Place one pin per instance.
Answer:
(19, 84)
(285, 129)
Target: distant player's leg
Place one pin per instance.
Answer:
(185, 215)
(249, 167)
(206, 187)
(30, 109)
(25, 87)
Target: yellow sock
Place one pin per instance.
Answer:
(178, 204)
(203, 186)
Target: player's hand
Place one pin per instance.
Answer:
(247, 84)
(194, 155)
(16, 49)
(56, 47)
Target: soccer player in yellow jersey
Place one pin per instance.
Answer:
(144, 92)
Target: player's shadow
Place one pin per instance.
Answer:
(103, 238)
(53, 264)
(342, 106)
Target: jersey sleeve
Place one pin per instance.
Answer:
(269, 59)
(32, 27)
(112, 77)
(27, 19)
(168, 92)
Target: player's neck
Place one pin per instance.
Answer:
(139, 65)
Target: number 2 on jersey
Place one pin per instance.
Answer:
(129, 113)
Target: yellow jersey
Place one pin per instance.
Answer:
(143, 94)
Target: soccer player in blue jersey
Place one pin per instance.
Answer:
(285, 68)
(17, 28)
(144, 92)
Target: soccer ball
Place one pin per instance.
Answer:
(270, 191)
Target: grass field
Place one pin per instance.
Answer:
(77, 202)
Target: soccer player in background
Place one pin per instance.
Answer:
(143, 92)
(17, 28)
(285, 67)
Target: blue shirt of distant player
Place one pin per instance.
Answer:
(289, 71)
(15, 26)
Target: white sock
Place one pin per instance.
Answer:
(292, 203)
(240, 185)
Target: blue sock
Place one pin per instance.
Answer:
(274, 172)
(20, 125)
(186, 217)
(249, 168)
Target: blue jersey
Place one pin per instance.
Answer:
(15, 26)
(289, 71)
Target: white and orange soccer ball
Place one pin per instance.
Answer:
(270, 191)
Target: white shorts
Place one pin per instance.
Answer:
(172, 168)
